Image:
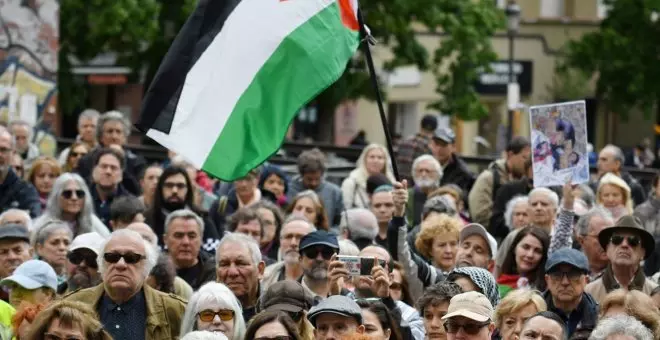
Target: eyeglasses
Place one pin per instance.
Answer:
(68, 194)
(51, 336)
(573, 276)
(633, 241)
(179, 186)
(77, 258)
(469, 328)
(208, 315)
(129, 258)
(313, 252)
(395, 286)
(281, 337)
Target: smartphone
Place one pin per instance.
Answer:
(359, 266)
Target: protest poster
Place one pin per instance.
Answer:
(559, 143)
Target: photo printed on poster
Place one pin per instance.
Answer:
(559, 143)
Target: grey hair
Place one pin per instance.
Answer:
(19, 122)
(88, 114)
(554, 198)
(508, 213)
(618, 153)
(112, 116)
(582, 225)
(54, 210)
(185, 214)
(422, 158)
(151, 253)
(359, 222)
(348, 248)
(42, 234)
(23, 213)
(244, 240)
(12, 139)
(620, 325)
(204, 335)
(179, 160)
(220, 295)
(587, 194)
(296, 217)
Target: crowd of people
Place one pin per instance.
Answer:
(100, 244)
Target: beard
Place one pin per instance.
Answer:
(291, 257)
(82, 279)
(318, 272)
(173, 204)
(425, 183)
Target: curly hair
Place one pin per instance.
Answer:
(437, 294)
(433, 227)
(636, 304)
(69, 313)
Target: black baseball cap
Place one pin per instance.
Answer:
(319, 237)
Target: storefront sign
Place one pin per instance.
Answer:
(495, 82)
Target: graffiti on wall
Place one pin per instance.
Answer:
(29, 43)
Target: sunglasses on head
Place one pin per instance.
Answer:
(208, 315)
(469, 328)
(76, 258)
(633, 241)
(68, 194)
(129, 258)
(313, 252)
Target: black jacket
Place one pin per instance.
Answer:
(497, 226)
(583, 319)
(458, 173)
(222, 208)
(134, 164)
(207, 272)
(101, 208)
(16, 193)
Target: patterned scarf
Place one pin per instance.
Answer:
(482, 279)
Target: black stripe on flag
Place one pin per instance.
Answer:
(195, 36)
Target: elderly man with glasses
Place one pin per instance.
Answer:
(127, 307)
(627, 243)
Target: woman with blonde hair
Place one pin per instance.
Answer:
(438, 241)
(514, 309)
(214, 308)
(633, 303)
(308, 204)
(67, 319)
(373, 160)
(42, 175)
(614, 195)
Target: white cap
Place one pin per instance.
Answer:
(91, 241)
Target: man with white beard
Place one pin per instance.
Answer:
(427, 174)
(293, 230)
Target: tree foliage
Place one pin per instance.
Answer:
(465, 27)
(89, 28)
(624, 54)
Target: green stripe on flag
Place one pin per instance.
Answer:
(307, 61)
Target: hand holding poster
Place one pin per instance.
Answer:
(559, 143)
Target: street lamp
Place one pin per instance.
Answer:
(513, 91)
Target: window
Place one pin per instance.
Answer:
(603, 9)
(552, 8)
(403, 118)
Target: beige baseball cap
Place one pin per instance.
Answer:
(472, 305)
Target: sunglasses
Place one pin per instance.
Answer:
(68, 194)
(633, 241)
(573, 276)
(208, 315)
(313, 252)
(77, 258)
(51, 336)
(469, 328)
(281, 337)
(179, 186)
(129, 258)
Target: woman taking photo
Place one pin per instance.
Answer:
(373, 160)
(524, 266)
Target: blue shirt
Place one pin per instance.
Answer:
(127, 320)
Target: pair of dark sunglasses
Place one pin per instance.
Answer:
(129, 258)
(76, 258)
(572, 276)
(469, 328)
(313, 252)
(68, 194)
(633, 241)
(179, 186)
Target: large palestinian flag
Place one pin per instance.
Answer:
(237, 74)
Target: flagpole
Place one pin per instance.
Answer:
(366, 40)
